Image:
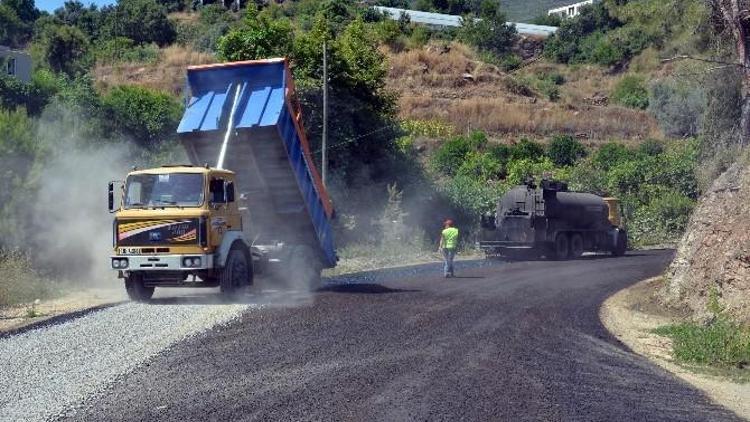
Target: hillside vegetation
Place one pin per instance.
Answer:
(428, 123)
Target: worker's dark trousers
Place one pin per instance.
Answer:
(448, 255)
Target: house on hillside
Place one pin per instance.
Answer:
(570, 10)
(15, 63)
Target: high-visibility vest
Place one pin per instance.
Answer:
(450, 238)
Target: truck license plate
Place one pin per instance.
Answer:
(130, 251)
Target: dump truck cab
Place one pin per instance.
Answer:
(174, 226)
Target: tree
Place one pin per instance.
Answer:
(143, 21)
(731, 16)
(11, 28)
(490, 32)
(148, 116)
(259, 37)
(25, 9)
(65, 48)
(87, 19)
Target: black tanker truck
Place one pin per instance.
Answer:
(548, 220)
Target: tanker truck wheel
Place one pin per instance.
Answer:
(622, 243)
(237, 273)
(576, 246)
(137, 290)
(562, 247)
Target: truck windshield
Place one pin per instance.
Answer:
(164, 190)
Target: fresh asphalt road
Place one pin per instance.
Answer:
(508, 341)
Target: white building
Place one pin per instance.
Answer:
(570, 10)
(15, 63)
(439, 20)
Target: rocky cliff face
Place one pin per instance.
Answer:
(714, 254)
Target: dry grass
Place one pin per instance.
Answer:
(499, 116)
(184, 17)
(166, 74)
(19, 283)
(433, 85)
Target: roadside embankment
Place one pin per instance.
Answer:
(633, 314)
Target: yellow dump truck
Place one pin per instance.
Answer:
(261, 207)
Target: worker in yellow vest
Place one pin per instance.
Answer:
(448, 245)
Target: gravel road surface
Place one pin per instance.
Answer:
(46, 372)
(515, 341)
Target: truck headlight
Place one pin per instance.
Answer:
(119, 263)
(191, 262)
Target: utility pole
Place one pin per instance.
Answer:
(324, 155)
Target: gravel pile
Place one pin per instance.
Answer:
(45, 373)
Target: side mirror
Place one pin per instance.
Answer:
(111, 197)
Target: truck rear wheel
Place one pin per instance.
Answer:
(562, 246)
(576, 246)
(237, 272)
(136, 288)
(304, 269)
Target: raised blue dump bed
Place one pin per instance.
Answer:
(267, 149)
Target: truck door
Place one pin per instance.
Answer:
(225, 215)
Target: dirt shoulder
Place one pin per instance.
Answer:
(632, 314)
(17, 317)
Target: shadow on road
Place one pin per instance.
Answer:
(368, 288)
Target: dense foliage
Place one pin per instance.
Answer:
(656, 181)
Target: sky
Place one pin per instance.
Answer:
(51, 5)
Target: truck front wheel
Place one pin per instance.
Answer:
(621, 245)
(137, 289)
(237, 273)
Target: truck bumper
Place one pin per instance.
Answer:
(189, 262)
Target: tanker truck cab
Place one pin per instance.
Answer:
(179, 226)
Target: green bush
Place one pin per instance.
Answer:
(678, 108)
(20, 151)
(511, 62)
(612, 154)
(631, 92)
(259, 37)
(565, 150)
(520, 170)
(526, 150)
(480, 166)
(451, 155)
(148, 116)
(123, 50)
(651, 147)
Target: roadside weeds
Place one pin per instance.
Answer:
(630, 317)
